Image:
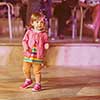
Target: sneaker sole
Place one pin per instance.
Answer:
(25, 87)
(36, 90)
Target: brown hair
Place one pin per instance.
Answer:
(36, 16)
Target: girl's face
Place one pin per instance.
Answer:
(38, 25)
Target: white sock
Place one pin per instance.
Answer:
(28, 79)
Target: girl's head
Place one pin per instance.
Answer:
(37, 21)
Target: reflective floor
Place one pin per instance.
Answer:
(58, 83)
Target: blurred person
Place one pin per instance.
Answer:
(46, 9)
(62, 12)
(10, 1)
(95, 26)
(17, 8)
(23, 13)
(32, 6)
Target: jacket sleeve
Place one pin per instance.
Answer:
(25, 41)
(46, 44)
(45, 38)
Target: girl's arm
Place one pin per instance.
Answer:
(25, 42)
(46, 45)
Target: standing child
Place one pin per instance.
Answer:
(34, 43)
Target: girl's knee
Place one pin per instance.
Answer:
(37, 68)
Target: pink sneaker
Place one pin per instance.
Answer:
(37, 87)
(26, 84)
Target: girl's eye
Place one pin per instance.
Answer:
(37, 21)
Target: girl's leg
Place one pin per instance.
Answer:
(96, 13)
(37, 72)
(27, 69)
(27, 72)
(96, 21)
(96, 31)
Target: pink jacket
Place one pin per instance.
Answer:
(32, 38)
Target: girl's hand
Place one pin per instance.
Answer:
(25, 49)
(27, 53)
(46, 46)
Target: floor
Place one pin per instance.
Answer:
(58, 83)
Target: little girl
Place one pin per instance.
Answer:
(34, 43)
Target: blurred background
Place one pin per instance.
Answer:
(62, 16)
